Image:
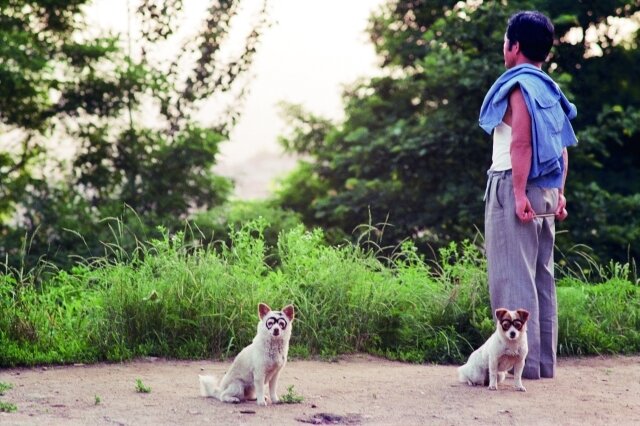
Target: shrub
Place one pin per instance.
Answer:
(173, 298)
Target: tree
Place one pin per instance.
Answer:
(410, 148)
(57, 82)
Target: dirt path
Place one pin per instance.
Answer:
(355, 390)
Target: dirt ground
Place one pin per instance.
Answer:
(354, 390)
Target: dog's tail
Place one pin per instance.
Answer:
(462, 375)
(209, 386)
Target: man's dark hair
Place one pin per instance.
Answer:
(534, 32)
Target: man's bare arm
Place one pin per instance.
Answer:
(561, 209)
(521, 153)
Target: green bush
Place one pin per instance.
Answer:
(173, 298)
(218, 224)
(51, 324)
(598, 319)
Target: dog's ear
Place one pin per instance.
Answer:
(289, 312)
(263, 309)
(501, 313)
(523, 314)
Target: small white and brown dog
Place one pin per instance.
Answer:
(259, 364)
(506, 348)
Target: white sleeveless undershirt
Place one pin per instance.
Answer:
(501, 157)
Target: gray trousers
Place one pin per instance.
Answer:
(520, 266)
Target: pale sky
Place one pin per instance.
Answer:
(313, 49)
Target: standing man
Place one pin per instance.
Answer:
(529, 117)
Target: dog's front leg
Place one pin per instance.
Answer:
(273, 387)
(258, 384)
(517, 375)
(493, 373)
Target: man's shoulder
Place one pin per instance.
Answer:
(545, 92)
(533, 80)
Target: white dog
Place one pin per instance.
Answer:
(257, 365)
(506, 348)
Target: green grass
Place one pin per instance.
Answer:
(174, 298)
(7, 407)
(291, 397)
(5, 387)
(141, 387)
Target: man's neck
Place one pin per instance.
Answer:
(524, 60)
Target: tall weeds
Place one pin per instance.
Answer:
(171, 297)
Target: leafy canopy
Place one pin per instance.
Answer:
(410, 151)
(96, 94)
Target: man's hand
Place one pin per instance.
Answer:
(524, 211)
(561, 211)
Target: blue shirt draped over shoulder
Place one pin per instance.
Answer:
(550, 111)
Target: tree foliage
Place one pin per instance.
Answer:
(96, 93)
(410, 151)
